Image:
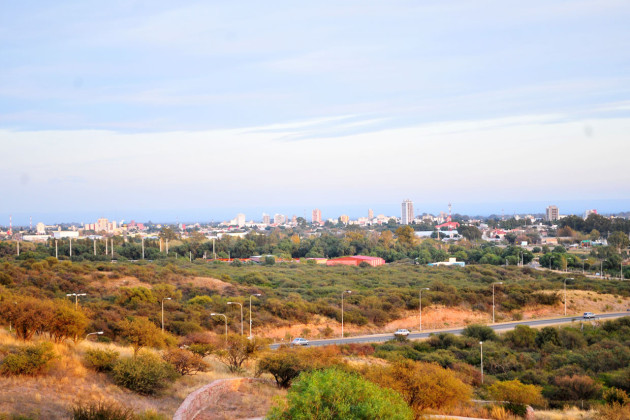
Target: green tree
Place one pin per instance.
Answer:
(472, 233)
(333, 394)
(67, 322)
(283, 365)
(238, 350)
(516, 392)
(618, 240)
(480, 332)
(406, 236)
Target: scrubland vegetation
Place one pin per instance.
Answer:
(47, 349)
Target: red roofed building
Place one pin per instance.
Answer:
(356, 260)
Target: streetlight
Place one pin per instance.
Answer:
(565, 294)
(250, 312)
(241, 305)
(342, 293)
(481, 348)
(76, 298)
(424, 288)
(493, 284)
(163, 299)
(97, 333)
(223, 315)
(11, 320)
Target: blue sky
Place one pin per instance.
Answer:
(156, 110)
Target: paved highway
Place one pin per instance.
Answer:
(376, 338)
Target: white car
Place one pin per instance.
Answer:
(299, 342)
(402, 332)
(588, 315)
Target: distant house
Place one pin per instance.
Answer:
(356, 260)
(451, 261)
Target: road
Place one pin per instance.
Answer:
(377, 338)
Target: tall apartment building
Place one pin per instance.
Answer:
(370, 214)
(552, 213)
(279, 219)
(344, 218)
(407, 212)
(317, 216)
(266, 219)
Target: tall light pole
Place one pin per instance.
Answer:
(420, 313)
(481, 348)
(94, 333)
(250, 312)
(76, 298)
(493, 284)
(163, 299)
(223, 315)
(342, 293)
(241, 305)
(56, 250)
(565, 294)
(142, 247)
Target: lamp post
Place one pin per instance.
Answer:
(241, 305)
(493, 284)
(94, 333)
(250, 312)
(565, 294)
(166, 298)
(11, 320)
(223, 315)
(76, 298)
(481, 349)
(420, 313)
(342, 293)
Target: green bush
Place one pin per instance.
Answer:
(29, 360)
(335, 394)
(145, 374)
(480, 332)
(100, 360)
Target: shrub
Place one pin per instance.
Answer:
(145, 374)
(616, 395)
(335, 394)
(578, 387)
(102, 411)
(480, 332)
(29, 360)
(141, 332)
(237, 350)
(101, 360)
(422, 385)
(515, 392)
(185, 362)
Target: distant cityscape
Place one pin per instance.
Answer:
(425, 225)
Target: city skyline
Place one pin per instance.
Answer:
(577, 207)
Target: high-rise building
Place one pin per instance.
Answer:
(552, 213)
(266, 219)
(317, 216)
(344, 218)
(407, 212)
(240, 219)
(279, 219)
(370, 214)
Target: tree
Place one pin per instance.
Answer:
(578, 387)
(67, 322)
(140, 332)
(619, 240)
(333, 394)
(422, 385)
(472, 233)
(238, 350)
(406, 236)
(284, 365)
(516, 392)
(521, 337)
(185, 362)
(29, 316)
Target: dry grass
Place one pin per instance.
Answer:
(249, 400)
(572, 413)
(69, 382)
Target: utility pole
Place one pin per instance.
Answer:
(56, 250)
(143, 247)
(112, 248)
(70, 246)
(18, 248)
(94, 242)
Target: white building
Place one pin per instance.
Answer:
(407, 212)
(60, 234)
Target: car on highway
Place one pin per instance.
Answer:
(588, 315)
(299, 342)
(402, 332)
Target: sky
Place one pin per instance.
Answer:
(194, 111)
